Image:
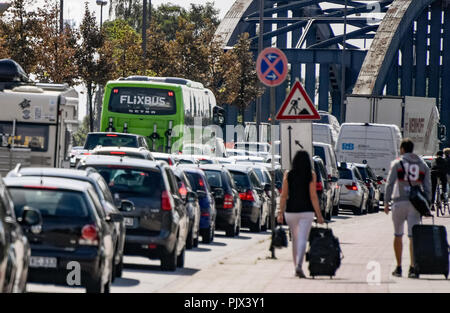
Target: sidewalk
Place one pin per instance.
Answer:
(366, 242)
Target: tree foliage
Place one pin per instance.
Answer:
(126, 49)
(19, 34)
(56, 52)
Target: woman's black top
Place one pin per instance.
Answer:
(299, 200)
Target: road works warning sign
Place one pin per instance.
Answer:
(298, 106)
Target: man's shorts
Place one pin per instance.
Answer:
(404, 211)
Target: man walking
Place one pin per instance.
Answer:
(411, 166)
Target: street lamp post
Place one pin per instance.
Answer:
(342, 113)
(144, 29)
(61, 16)
(101, 3)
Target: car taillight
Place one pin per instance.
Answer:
(166, 205)
(380, 182)
(89, 235)
(170, 162)
(118, 152)
(319, 186)
(368, 185)
(228, 201)
(111, 135)
(352, 187)
(87, 153)
(247, 196)
(182, 190)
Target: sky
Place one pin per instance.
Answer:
(73, 9)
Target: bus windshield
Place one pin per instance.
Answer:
(143, 101)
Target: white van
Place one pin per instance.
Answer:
(374, 144)
(324, 133)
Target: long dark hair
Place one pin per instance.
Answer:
(301, 167)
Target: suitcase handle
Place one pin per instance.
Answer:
(326, 222)
(432, 217)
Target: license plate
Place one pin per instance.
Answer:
(43, 262)
(128, 221)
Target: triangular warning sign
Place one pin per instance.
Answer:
(298, 106)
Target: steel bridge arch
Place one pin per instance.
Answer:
(409, 55)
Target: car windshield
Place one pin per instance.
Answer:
(214, 178)
(262, 176)
(185, 161)
(241, 180)
(197, 181)
(345, 173)
(110, 140)
(51, 203)
(363, 171)
(133, 182)
(320, 151)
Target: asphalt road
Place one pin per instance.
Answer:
(141, 275)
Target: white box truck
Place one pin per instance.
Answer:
(416, 117)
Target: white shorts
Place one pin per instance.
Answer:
(404, 211)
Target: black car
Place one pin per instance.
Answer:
(192, 206)
(111, 139)
(255, 203)
(14, 247)
(228, 202)
(158, 226)
(106, 199)
(324, 188)
(208, 215)
(73, 232)
(373, 183)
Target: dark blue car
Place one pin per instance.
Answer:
(199, 183)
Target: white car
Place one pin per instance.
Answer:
(354, 193)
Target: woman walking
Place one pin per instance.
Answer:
(299, 200)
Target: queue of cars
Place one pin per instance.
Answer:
(121, 200)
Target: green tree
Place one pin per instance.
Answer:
(159, 54)
(56, 52)
(246, 86)
(167, 17)
(126, 45)
(79, 137)
(18, 31)
(93, 59)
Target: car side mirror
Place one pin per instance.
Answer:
(115, 217)
(30, 217)
(333, 179)
(127, 206)
(191, 197)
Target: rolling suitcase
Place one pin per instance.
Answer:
(324, 253)
(431, 250)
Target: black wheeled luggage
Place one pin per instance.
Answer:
(324, 253)
(431, 250)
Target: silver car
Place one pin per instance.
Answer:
(354, 193)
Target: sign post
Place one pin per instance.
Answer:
(272, 70)
(296, 115)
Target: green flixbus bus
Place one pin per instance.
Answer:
(156, 106)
